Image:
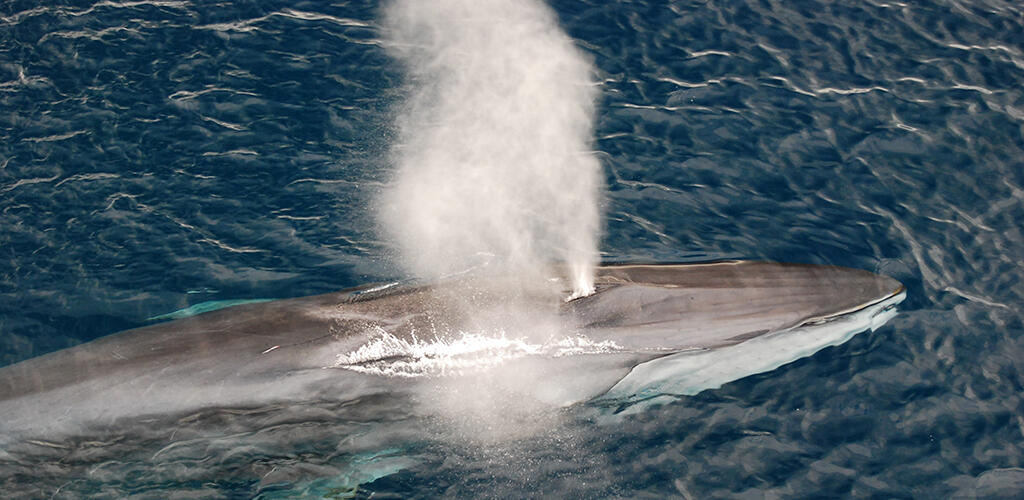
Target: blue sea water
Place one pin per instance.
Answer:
(160, 154)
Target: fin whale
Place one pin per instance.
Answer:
(650, 330)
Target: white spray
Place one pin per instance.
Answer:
(492, 161)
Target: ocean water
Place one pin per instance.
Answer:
(157, 155)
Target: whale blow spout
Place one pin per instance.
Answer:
(493, 163)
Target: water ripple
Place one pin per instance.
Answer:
(159, 154)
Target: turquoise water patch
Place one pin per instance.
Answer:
(349, 482)
(205, 307)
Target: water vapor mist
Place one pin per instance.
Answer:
(492, 161)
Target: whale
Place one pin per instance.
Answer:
(648, 333)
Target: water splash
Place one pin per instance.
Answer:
(467, 352)
(493, 152)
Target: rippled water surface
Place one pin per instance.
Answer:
(161, 154)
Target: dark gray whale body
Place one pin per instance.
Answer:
(315, 396)
(642, 319)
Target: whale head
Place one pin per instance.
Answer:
(713, 305)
